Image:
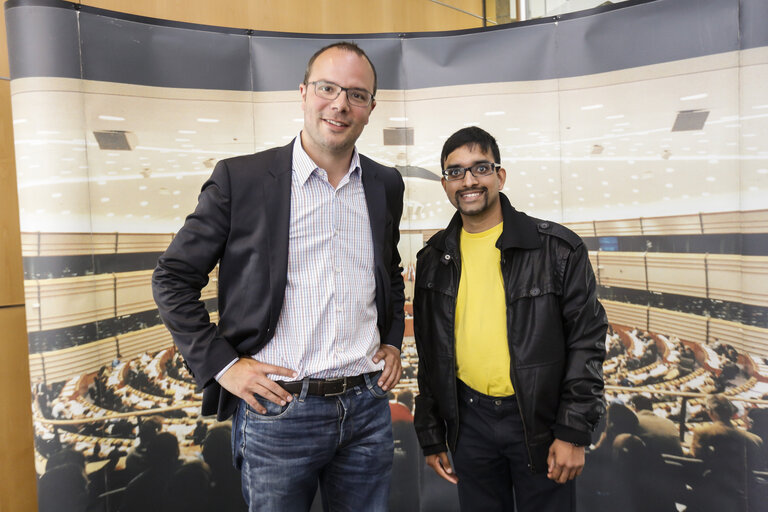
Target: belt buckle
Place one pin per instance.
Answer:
(343, 381)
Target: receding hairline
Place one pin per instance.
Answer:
(345, 46)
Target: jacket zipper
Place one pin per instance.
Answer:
(514, 369)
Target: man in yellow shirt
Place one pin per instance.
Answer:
(511, 343)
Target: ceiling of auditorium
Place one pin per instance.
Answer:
(587, 148)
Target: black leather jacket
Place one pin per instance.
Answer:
(555, 326)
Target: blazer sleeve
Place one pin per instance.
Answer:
(182, 272)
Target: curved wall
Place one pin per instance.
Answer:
(17, 476)
(534, 85)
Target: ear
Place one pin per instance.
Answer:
(502, 176)
(303, 93)
(368, 117)
(444, 184)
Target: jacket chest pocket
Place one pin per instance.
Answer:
(535, 323)
(532, 290)
(438, 278)
(437, 287)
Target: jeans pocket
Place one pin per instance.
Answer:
(274, 411)
(373, 386)
(237, 440)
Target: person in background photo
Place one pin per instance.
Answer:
(511, 341)
(729, 455)
(310, 300)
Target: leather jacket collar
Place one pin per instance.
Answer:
(520, 231)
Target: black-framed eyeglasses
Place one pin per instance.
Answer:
(331, 91)
(477, 170)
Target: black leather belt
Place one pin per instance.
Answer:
(326, 387)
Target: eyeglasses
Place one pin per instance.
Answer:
(331, 91)
(477, 170)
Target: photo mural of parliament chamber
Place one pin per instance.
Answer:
(643, 128)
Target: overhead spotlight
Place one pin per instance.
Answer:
(666, 154)
(597, 149)
(146, 172)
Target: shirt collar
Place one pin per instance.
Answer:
(304, 166)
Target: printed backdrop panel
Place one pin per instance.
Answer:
(642, 128)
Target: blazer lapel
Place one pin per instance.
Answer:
(376, 199)
(277, 193)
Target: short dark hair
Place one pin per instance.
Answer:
(470, 136)
(348, 47)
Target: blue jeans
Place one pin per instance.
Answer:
(343, 442)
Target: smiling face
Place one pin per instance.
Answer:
(331, 127)
(477, 199)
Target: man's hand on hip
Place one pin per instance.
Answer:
(393, 368)
(565, 461)
(442, 466)
(248, 377)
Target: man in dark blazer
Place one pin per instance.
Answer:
(310, 300)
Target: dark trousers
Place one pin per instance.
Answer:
(491, 460)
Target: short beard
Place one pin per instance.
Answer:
(474, 212)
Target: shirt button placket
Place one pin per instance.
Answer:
(335, 251)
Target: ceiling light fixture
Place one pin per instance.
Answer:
(694, 97)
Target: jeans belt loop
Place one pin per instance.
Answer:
(369, 382)
(304, 389)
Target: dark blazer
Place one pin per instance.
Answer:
(242, 222)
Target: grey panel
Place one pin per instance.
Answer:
(279, 62)
(42, 41)
(115, 140)
(639, 35)
(753, 16)
(123, 48)
(690, 120)
(116, 50)
(412, 171)
(398, 136)
(507, 55)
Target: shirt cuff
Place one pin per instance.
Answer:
(224, 370)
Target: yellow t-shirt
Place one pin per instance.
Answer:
(482, 352)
